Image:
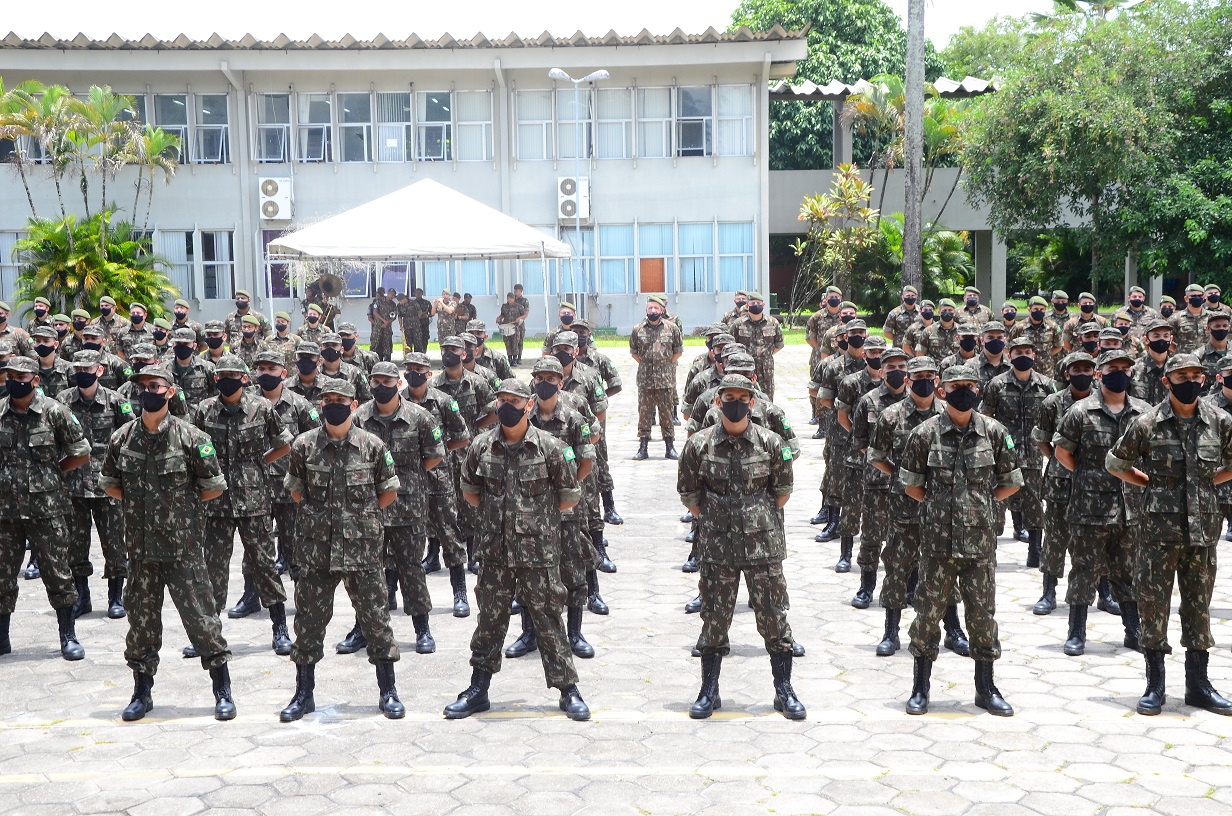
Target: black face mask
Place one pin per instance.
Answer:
(180, 317)
(92, 346)
(545, 390)
(61, 333)
(1009, 316)
(214, 342)
(313, 318)
(509, 415)
(565, 358)
(451, 359)
(740, 304)
(1135, 304)
(1195, 301)
(873, 363)
(248, 335)
(40, 312)
(654, 317)
(1124, 330)
(1159, 345)
(1186, 392)
(183, 352)
(1117, 381)
(152, 403)
(228, 386)
(160, 335)
(967, 343)
(137, 319)
(268, 382)
(834, 301)
(756, 308)
(927, 314)
(922, 388)
(44, 350)
(384, 393)
(1087, 308)
(281, 327)
(842, 344)
(241, 304)
(896, 378)
(469, 356)
(20, 390)
(856, 341)
(1081, 382)
(331, 355)
(85, 379)
(994, 347)
(78, 325)
(1089, 346)
(963, 399)
(735, 410)
(348, 343)
(1166, 311)
(306, 365)
(416, 378)
(1037, 315)
(972, 302)
(567, 319)
(1060, 308)
(947, 317)
(1219, 334)
(909, 300)
(1211, 299)
(1023, 363)
(336, 413)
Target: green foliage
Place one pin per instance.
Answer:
(947, 266)
(986, 52)
(841, 226)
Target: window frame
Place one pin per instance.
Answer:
(707, 124)
(546, 126)
(666, 124)
(365, 128)
(303, 130)
(446, 126)
(200, 129)
(181, 131)
(214, 265)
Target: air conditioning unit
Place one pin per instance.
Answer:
(572, 199)
(275, 199)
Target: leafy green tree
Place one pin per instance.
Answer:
(946, 268)
(841, 226)
(985, 52)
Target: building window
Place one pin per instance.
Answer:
(171, 114)
(474, 110)
(393, 129)
(177, 247)
(314, 128)
(734, 128)
(9, 268)
(534, 111)
(397, 276)
(218, 264)
(695, 121)
(577, 273)
(656, 257)
(278, 271)
(736, 257)
(616, 259)
(654, 123)
(357, 277)
(476, 277)
(355, 127)
(213, 145)
(434, 117)
(436, 278)
(534, 275)
(572, 124)
(614, 110)
(273, 128)
(696, 257)
(138, 112)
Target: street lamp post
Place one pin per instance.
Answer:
(595, 76)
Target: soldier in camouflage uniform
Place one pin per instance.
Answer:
(911, 339)
(99, 411)
(740, 305)
(194, 375)
(1214, 300)
(470, 360)
(512, 315)
(55, 374)
(115, 371)
(144, 355)
(941, 339)
(655, 345)
(161, 332)
(136, 331)
(484, 355)
(308, 380)
(850, 389)
(992, 359)
(959, 464)
(1099, 508)
(161, 470)
(1167, 306)
(75, 341)
(705, 375)
(1215, 349)
(248, 346)
(1009, 318)
(13, 334)
(1220, 397)
(1139, 313)
(110, 322)
(902, 316)
(735, 478)
(282, 339)
(520, 479)
(1086, 315)
(352, 354)
(1189, 324)
(40, 314)
(967, 349)
(589, 355)
(973, 311)
(820, 322)
(1043, 334)
(181, 309)
(247, 435)
(762, 335)
(40, 440)
(313, 327)
(343, 477)
(1177, 451)
(215, 340)
(381, 339)
(824, 382)
(332, 366)
(233, 323)
(829, 340)
(525, 304)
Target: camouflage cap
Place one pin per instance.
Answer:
(215, 325)
(80, 313)
(85, 358)
(182, 302)
(546, 365)
(1213, 316)
(1090, 328)
(722, 339)
(93, 330)
(230, 364)
(347, 328)
(336, 385)
(6, 348)
(959, 373)
(565, 338)
(144, 350)
(968, 330)
(417, 358)
(184, 336)
(1225, 364)
(941, 304)
(735, 348)
(513, 386)
(160, 371)
(1156, 324)
(739, 381)
(1114, 355)
(270, 356)
(1075, 357)
(20, 362)
(472, 340)
(331, 338)
(1181, 362)
(856, 325)
(477, 326)
(1022, 341)
(894, 353)
(875, 342)
(740, 362)
(577, 324)
(162, 323)
(713, 329)
(44, 331)
(1110, 333)
(385, 369)
(922, 363)
(993, 326)
(453, 341)
(305, 349)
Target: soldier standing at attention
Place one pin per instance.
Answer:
(762, 335)
(1043, 334)
(384, 313)
(902, 316)
(40, 440)
(520, 479)
(55, 374)
(181, 309)
(566, 314)
(941, 339)
(484, 355)
(137, 331)
(248, 346)
(824, 383)
(233, 323)
(818, 324)
(443, 308)
(973, 311)
(735, 477)
(1214, 301)
(1059, 315)
(655, 346)
(1139, 313)
(107, 319)
(928, 312)
(1189, 324)
(959, 465)
(332, 366)
(1178, 452)
(282, 339)
(1076, 326)
(521, 300)
(161, 469)
(512, 315)
(351, 352)
(194, 375)
(740, 305)
(342, 477)
(850, 390)
(312, 328)
(215, 338)
(42, 309)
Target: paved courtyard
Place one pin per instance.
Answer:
(1075, 747)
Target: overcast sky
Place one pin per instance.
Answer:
(496, 18)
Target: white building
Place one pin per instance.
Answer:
(673, 146)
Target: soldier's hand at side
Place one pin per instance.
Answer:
(696, 510)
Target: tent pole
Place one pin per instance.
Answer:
(547, 312)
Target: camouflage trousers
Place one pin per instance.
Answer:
(468, 515)
(49, 541)
(381, 342)
(1194, 570)
(834, 475)
(874, 526)
(511, 346)
(975, 580)
(718, 585)
(257, 539)
(901, 557)
(1056, 536)
(193, 595)
(764, 369)
(1028, 500)
(314, 607)
(109, 521)
(853, 498)
(1096, 550)
(577, 557)
(405, 545)
(443, 528)
(650, 400)
(603, 471)
(541, 594)
(283, 516)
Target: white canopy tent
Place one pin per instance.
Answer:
(426, 221)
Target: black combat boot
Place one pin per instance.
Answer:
(594, 601)
(830, 531)
(424, 642)
(526, 642)
(432, 561)
(844, 554)
(143, 699)
(691, 564)
(5, 646)
(302, 703)
(864, 595)
(889, 641)
(917, 703)
(688, 517)
(573, 627)
(390, 705)
(70, 649)
(280, 559)
(694, 606)
(610, 516)
(1077, 643)
(785, 701)
(457, 580)
(955, 638)
(471, 564)
(691, 536)
(115, 598)
(353, 642)
(669, 450)
(82, 584)
(1199, 692)
(605, 563)
(282, 638)
(987, 696)
(1104, 602)
(1152, 700)
(572, 704)
(248, 602)
(1133, 625)
(642, 452)
(224, 706)
(473, 699)
(32, 572)
(1035, 544)
(708, 700)
(1048, 599)
(391, 584)
(822, 517)
(1020, 533)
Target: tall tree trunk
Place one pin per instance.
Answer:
(946, 203)
(137, 193)
(25, 183)
(913, 224)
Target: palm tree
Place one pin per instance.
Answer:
(151, 149)
(48, 118)
(101, 136)
(13, 128)
(877, 111)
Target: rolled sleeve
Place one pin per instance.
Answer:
(568, 494)
(826, 393)
(1112, 463)
(293, 484)
(1011, 478)
(1039, 434)
(910, 478)
(79, 448)
(1059, 441)
(876, 455)
(212, 483)
(390, 484)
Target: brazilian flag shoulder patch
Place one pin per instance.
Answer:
(586, 429)
(453, 406)
(313, 415)
(389, 458)
(436, 432)
(1009, 443)
(205, 451)
(786, 454)
(569, 454)
(786, 424)
(125, 408)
